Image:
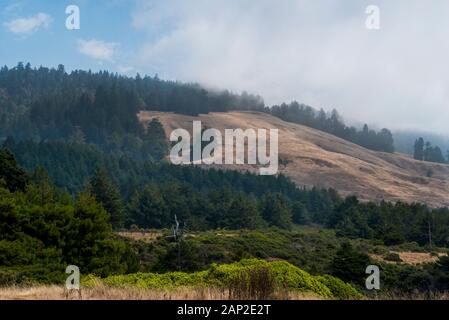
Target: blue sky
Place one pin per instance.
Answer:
(107, 21)
(318, 52)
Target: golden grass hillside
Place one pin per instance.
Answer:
(315, 158)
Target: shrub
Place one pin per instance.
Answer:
(339, 289)
(393, 256)
(290, 277)
(7, 278)
(257, 283)
(247, 279)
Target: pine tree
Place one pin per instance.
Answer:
(41, 189)
(13, 175)
(275, 210)
(147, 209)
(419, 149)
(349, 264)
(300, 214)
(242, 214)
(107, 194)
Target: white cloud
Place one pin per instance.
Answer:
(125, 69)
(26, 26)
(99, 50)
(13, 7)
(318, 52)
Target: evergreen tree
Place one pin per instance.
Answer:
(242, 214)
(41, 190)
(434, 154)
(155, 142)
(419, 149)
(147, 209)
(275, 210)
(13, 175)
(349, 264)
(300, 213)
(107, 194)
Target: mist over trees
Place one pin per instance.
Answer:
(333, 124)
(424, 151)
(404, 140)
(101, 108)
(48, 103)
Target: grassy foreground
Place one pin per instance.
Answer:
(250, 279)
(247, 279)
(108, 293)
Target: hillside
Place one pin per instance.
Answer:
(314, 158)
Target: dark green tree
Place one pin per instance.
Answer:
(147, 209)
(300, 213)
(107, 194)
(12, 174)
(275, 210)
(350, 265)
(242, 214)
(40, 189)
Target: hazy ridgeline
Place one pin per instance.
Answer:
(101, 107)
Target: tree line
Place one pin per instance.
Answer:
(424, 151)
(43, 230)
(43, 103)
(148, 195)
(332, 123)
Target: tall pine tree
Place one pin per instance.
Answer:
(106, 193)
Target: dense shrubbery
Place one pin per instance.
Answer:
(310, 249)
(285, 277)
(392, 223)
(315, 251)
(402, 278)
(338, 288)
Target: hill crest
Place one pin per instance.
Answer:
(314, 158)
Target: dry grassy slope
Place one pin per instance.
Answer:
(319, 159)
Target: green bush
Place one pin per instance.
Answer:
(339, 289)
(393, 256)
(293, 278)
(255, 278)
(7, 278)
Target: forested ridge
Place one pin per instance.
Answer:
(44, 103)
(151, 193)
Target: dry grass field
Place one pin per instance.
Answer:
(106, 293)
(412, 258)
(315, 158)
(103, 293)
(145, 236)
